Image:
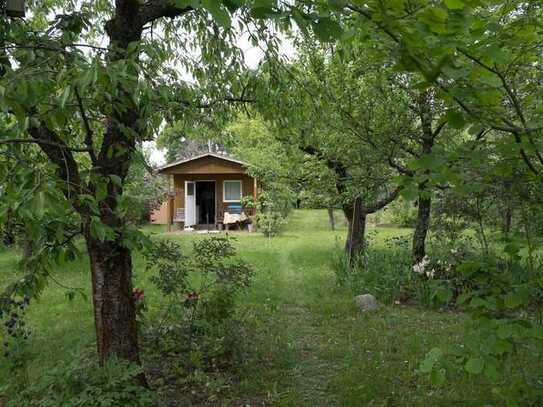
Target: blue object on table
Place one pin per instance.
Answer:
(233, 208)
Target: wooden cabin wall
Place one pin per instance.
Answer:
(247, 188)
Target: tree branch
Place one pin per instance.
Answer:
(88, 130)
(438, 129)
(61, 155)
(155, 9)
(44, 142)
(385, 201)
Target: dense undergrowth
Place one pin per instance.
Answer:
(498, 289)
(292, 337)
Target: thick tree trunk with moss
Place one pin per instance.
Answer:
(114, 309)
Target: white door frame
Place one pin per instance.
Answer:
(190, 204)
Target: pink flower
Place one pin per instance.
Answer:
(138, 294)
(192, 296)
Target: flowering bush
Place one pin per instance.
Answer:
(497, 330)
(207, 281)
(198, 336)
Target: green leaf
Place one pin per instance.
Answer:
(490, 80)
(186, 3)
(219, 13)
(475, 365)
(501, 346)
(116, 180)
(98, 230)
(438, 377)
(327, 29)
(64, 97)
(38, 205)
(339, 4)
(491, 370)
(431, 359)
(444, 295)
(505, 331)
(516, 299)
(455, 4)
(469, 267)
(263, 4)
(455, 119)
(537, 332)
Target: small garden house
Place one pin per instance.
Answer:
(206, 192)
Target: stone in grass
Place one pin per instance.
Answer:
(366, 302)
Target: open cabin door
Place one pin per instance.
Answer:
(190, 203)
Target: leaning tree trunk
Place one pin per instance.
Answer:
(356, 228)
(421, 228)
(331, 219)
(114, 308)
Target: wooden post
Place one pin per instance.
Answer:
(255, 191)
(171, 203)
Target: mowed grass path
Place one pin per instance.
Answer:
(307, 343)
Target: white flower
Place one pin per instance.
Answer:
(430, 274)
(454, 251)
(419, 267)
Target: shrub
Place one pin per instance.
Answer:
(498, 330)
(82, 383)
(403, 214)
(15, 335)
(271, 214)
(205, 282)
(383, 272)
(197, 342)
(270, 223)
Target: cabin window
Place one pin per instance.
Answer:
(190, 188)
(232, 191)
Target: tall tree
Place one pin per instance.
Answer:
(87, 107)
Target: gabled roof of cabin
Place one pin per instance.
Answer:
(198, 157)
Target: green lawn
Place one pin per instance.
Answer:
(309, 345)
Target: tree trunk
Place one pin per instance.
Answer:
(507, 214)
(356, 228)
(114, 308)
(507, 220)
(8, 230)
(425, 198)
(331, 220)
(421, 229)
(28, 247)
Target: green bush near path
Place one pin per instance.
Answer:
(304, 341)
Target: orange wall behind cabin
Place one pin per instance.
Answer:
(159, 216)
